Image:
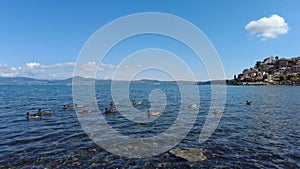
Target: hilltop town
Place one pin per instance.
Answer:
(270, 71)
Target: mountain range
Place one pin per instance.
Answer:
(86, 81)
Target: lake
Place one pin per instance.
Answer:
(263, 135)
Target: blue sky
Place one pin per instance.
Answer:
(42, 39)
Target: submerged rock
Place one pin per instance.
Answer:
(192, 155)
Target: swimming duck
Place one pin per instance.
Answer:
(79, 105)
(136, 103)
(46, 112)
(192, 106)
(153, 113)
(217, 111)
(110, 110)
(33, 116)
(113, 103)
(67, 107)
(85, 111)
(248, 103)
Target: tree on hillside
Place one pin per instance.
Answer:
(258, 63)
(293, 78)
(282, 78)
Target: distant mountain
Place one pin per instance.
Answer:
(32, 81)
(213, 82)
(87, 81)
(22, 81)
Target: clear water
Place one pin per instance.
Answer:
(263, 135)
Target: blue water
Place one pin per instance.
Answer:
(263, 135)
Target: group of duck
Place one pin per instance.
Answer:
(194, 106)
(38, 115)
(41, 112)
(112, 110)
(217, 111)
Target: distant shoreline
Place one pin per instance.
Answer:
(19, 81)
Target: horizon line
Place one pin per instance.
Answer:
(117, 80)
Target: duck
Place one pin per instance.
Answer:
(192, 106)
(136, 103)
(79, 105)
(85, 111)
(217, 111)
(113, 103)
(67, 107)
(33, 116)
(110, 110)
(248, 103)
(46, 112)
(153, 113)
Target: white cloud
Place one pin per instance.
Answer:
(110, 66)
(7, 74)
(267, 28)
(5, 71)
(92, 69)
(13, 68)
(58, 65)
(32, 65)
(39, 71)
(2, 65)
(88, 69)
(58, 70)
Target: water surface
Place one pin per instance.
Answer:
(263, 135)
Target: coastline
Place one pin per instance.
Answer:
(23, 81)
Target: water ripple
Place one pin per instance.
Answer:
(263, 135)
